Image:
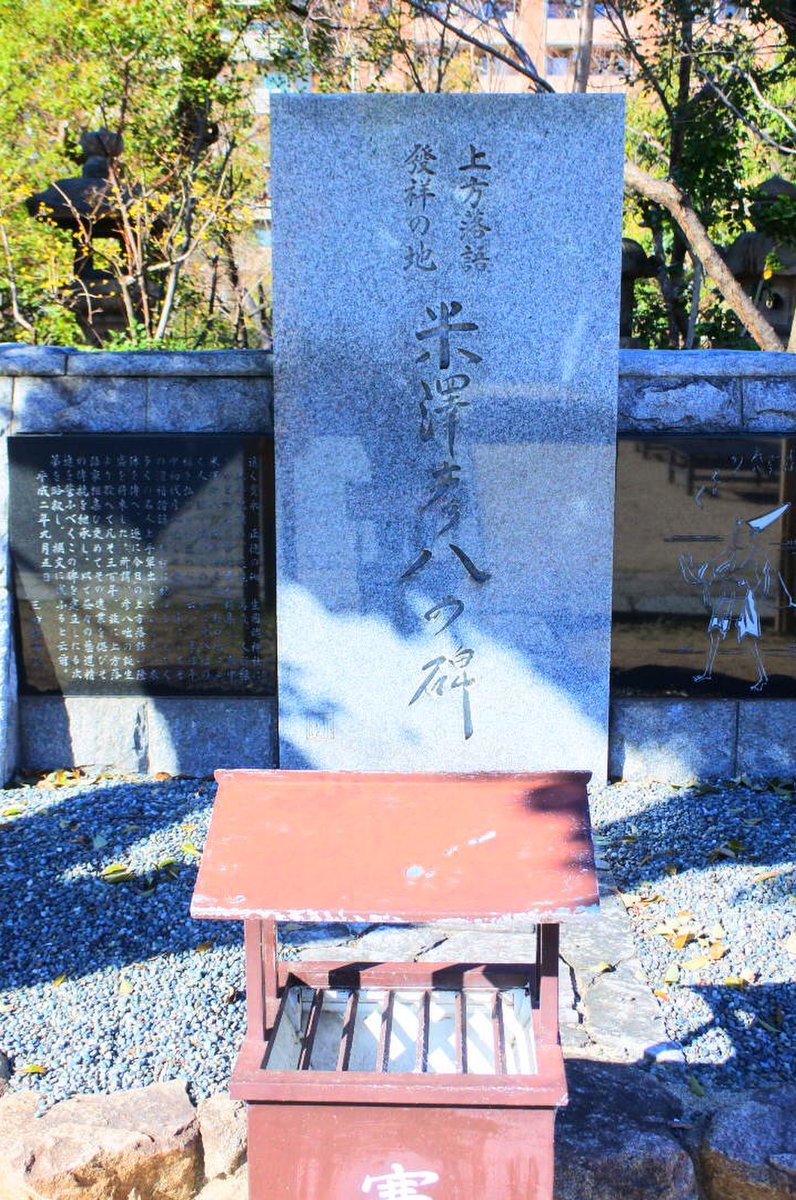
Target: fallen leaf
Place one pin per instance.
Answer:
(125, 987)
(161, 775)
(716, 951)
(681, 940)
(671, 868)
(33, 1069)
(169, 867)
(768, 1026)
(765, 875)
(189, 848)
(59, 979)
(697, 963)
(748, 975)
(205, 946)
(116, 873)
(790, 943)
(661, 993)
(734, 981)
(729, 849)
(601, 968)
(13, 810)
(695, 1086)
(672, 974)
(717, 933)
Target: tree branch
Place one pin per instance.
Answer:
(523, 68)
(674, 200)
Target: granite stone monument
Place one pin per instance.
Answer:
(446, 274)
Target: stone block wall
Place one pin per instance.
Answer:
(50, 390)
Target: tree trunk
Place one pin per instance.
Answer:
(792, 338)
(585, 40)
(693, 316)
(672, 198)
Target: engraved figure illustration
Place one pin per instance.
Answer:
(400, 1184)
(733, 584)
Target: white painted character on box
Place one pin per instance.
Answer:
(400, 1184)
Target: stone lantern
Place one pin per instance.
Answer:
(88, 207)
(747, 259)
(635, 265)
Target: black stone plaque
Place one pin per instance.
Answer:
(705, 567)
(144, 564)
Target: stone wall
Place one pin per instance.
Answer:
(49, 390)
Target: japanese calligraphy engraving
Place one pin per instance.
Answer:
(448, 354)
(473, 228)
(418, 196)
(139, 564)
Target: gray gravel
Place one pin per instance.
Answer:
(109, 985)
(714, 866)
(112, 985)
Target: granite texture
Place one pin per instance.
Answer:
(377, 671)
(199, 736)
(767, 737)
(675, 740)
(17, 358)
(770, 404)
(82, 731)
(5, 561)
(199, 404)
(715, 364)
(6, 393)
(687, 405)
(9, 704)
(114, 405)
(202, 363)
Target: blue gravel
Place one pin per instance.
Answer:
(109, 985)
(714, 866)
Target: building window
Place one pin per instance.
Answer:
(560, 10)
(557, 62)
(727, 10)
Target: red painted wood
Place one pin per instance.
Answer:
(323, 846)
(330, 1152)
(547, 1088)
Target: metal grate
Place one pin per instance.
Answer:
(409, 1030)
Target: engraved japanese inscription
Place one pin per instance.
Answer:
(142, 564)
(445, 343)
(705, 567)
(444, 456)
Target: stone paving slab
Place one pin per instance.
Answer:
(606, 1009)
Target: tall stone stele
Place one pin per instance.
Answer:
(446, 276)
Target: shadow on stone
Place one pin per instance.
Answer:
(619, 1138)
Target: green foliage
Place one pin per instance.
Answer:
(712, 108)
(174, 78)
